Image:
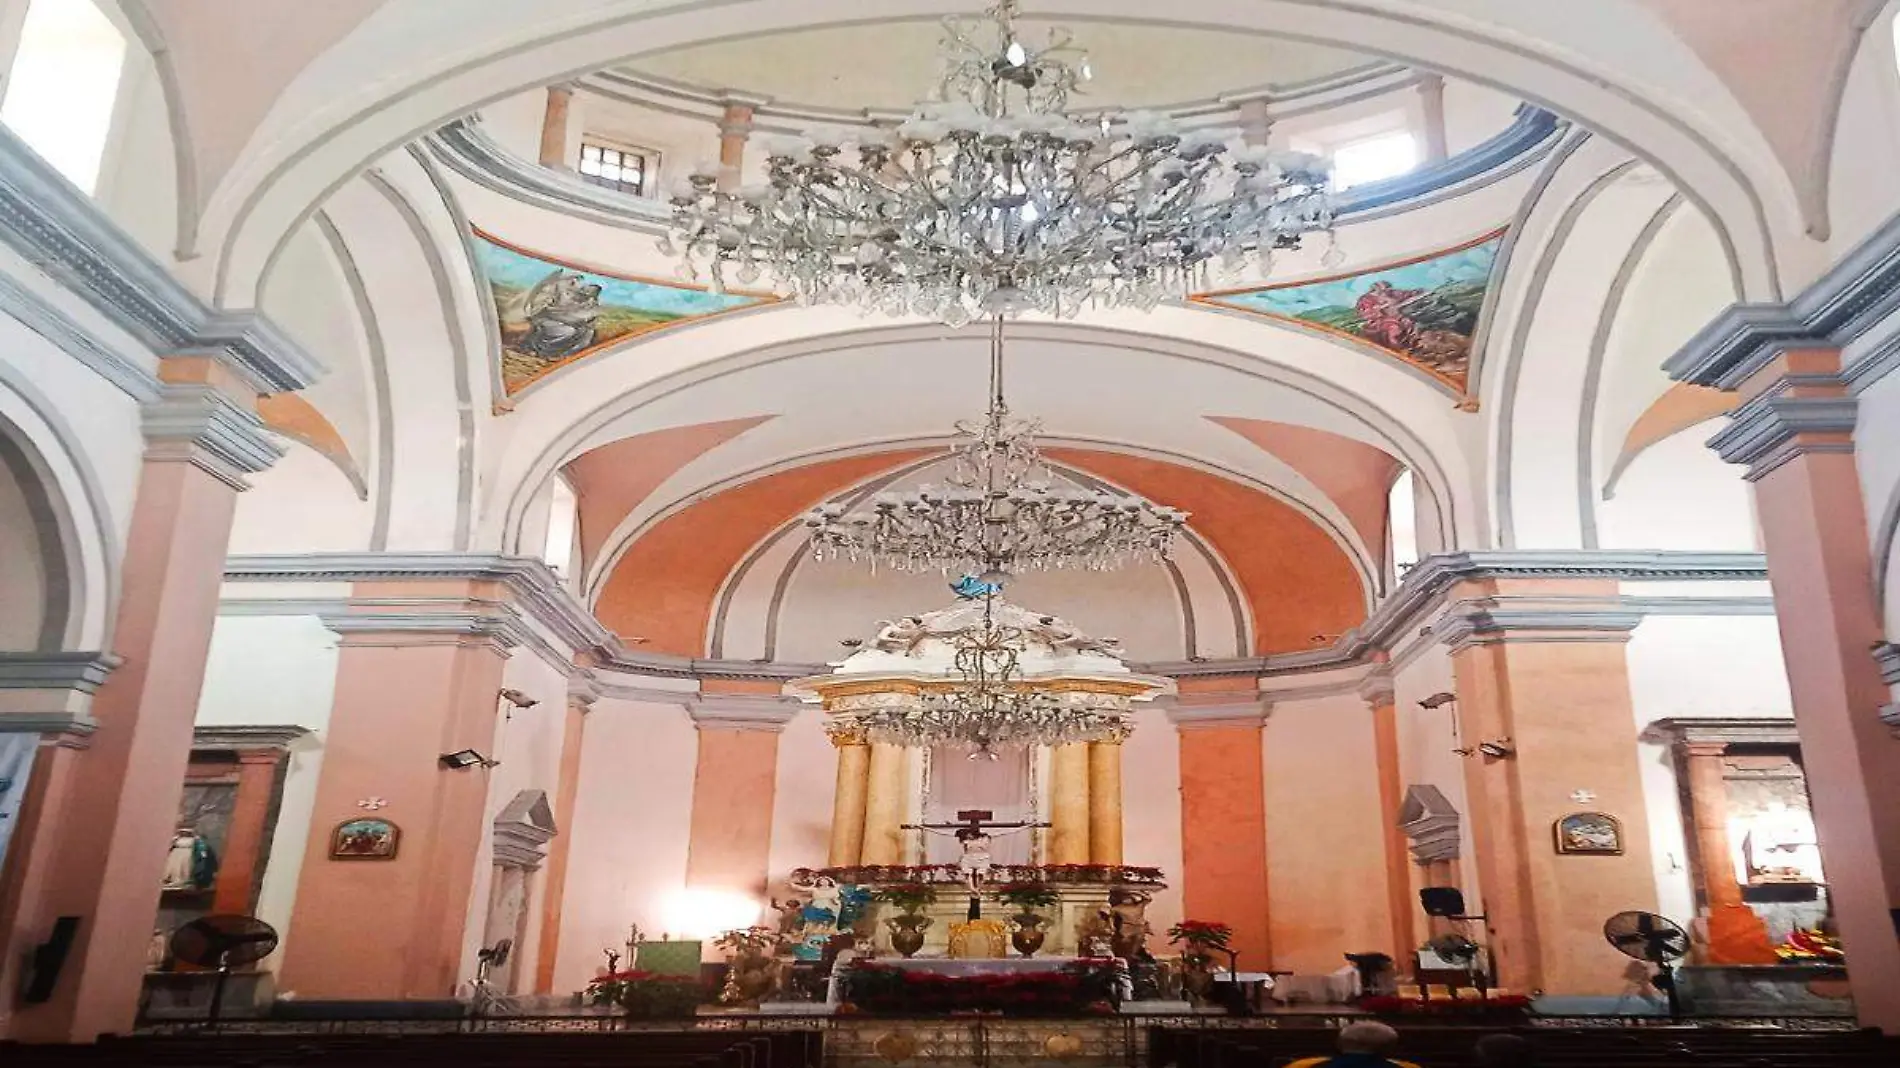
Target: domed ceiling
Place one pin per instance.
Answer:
(888, 66)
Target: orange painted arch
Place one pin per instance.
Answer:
(1302, 588)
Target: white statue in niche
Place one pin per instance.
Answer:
(180, 863)
(1781, 847)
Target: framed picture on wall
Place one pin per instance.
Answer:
(368, 838)
(1590, 833)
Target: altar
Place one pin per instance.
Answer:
(963, 967)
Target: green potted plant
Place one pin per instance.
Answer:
(646, 995)
(1026, 927)
(908, 926)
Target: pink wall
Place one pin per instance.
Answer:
(1325, 854)
(807, 780)
(1151, 811)
(630, 829)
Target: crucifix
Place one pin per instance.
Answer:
(972, 833)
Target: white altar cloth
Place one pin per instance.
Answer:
(965, 966)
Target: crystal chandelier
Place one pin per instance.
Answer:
(998, 511)
(990, 706)
(992, 199)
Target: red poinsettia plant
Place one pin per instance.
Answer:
(643, 993)
(1199, 937)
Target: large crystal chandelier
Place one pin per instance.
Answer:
(990, 705)
(998, 511)
(992, 199)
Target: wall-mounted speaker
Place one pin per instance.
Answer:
(1442, 901)
(46, 960)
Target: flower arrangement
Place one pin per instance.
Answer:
(911, 897)
(1027, 896)
(1810, 946)
(1200, 936)
(1077, 988)
(646, 994)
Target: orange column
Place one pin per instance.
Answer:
(1794, 430)
(581, 696)
(1224, 815)
(1378, 695)
(117, 800)
(1550, 680)
(1708, 811)
(554, 123)
(735, 780)
(415, 681)
(242, 864)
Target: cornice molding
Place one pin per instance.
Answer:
(1694, 730)
(1505, 620)
(60, 231)
(1859, 291)
(83, 672)
(1204, 711)
(225, 738)
(742, 712)
(1777, 426)
(1887, 655)
(500, 630)
(202, 426)
(544, 600)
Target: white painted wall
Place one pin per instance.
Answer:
(23, 594)
(1678, 494)
(1877, 454)
(630, 829)
(303, 503)
(276, 671)
(801, 805)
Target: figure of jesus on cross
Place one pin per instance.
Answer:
(972, 834)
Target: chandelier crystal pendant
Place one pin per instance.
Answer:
(992, 199)
(998, 512)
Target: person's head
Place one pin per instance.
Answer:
(1367, 1036)
(1504, 1051)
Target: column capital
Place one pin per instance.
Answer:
(742, 712)
(1376, 688)
(494, 626)
(1797, 415)
(583, 690)
(1487, 621)
(202, 425)
(1203, 711)
(51, 693)
(1705, 749)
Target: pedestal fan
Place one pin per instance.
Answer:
(222, 942)
(1653, 939)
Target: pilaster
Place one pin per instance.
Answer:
(735, 783)
(582, 693)
(1381, 701)
(1222, 728)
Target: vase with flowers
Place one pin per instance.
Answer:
(1027, 928)
(1199, 940)
(908, 926)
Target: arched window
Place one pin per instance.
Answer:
(563, 519)
(1402, 524)
(63, 85)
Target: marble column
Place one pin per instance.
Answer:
(735, 128)
(1105, 802)
(241, 865)
(581, 695)
(1224, 815)
(1431, 99)
(1541, 666)
(1069, 804)
(1708, 810)
(554, 127)
(735, 783)
(116, 801)
(1378, 694)
(1795, 432)
(887, 779)
(848, 801)
(438, 655)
